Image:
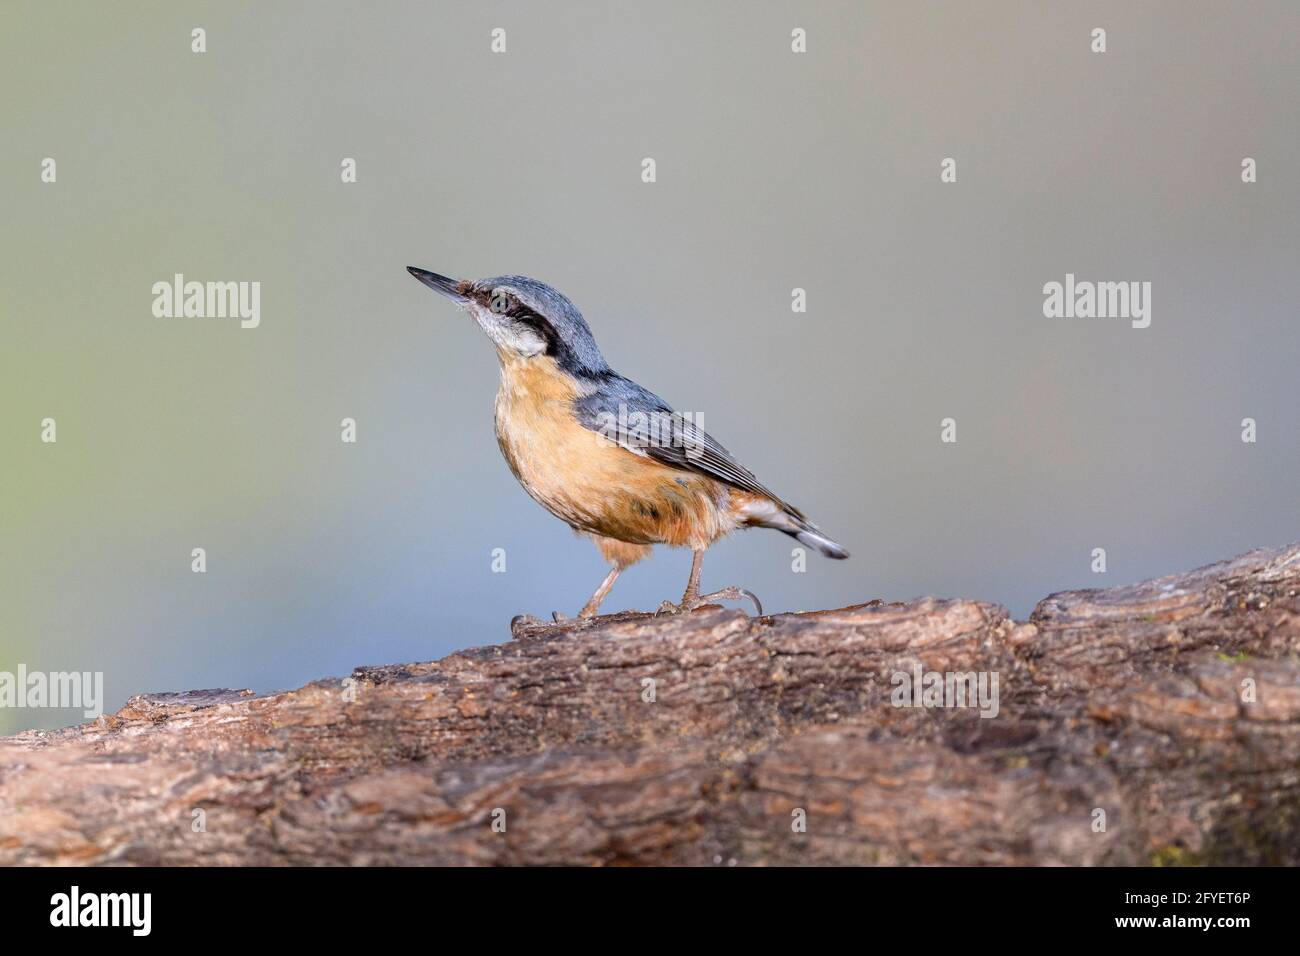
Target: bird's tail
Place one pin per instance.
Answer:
(790, 520)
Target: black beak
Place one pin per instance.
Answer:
(440, 284)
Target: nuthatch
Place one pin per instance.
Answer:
(604, 455)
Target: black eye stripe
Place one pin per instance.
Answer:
(513, 308)
(516, 310)
(537, 323)
(524, 314)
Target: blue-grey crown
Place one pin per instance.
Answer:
(576, 348)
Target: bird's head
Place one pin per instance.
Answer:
(524, 318)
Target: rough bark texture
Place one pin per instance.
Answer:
(1173, 706)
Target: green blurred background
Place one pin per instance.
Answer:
(775, 170)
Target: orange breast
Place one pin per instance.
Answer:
(590, 482)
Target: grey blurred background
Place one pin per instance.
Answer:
(775, 171)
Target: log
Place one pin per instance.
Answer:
(1152, 724)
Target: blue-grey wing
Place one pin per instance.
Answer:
(643, 423)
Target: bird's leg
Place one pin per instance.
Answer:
(693, 582)
(591, 607)
(693, 598)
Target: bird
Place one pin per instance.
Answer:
(606, 456)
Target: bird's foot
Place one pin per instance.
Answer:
(731, 594)
(699, 600)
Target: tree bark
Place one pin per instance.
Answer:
(1152, 724)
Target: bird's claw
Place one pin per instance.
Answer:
(733, 594)
(726, 594)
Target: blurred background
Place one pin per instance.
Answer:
(775, 170)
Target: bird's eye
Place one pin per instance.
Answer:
(501, 302)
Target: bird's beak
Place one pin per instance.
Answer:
(440, 284)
